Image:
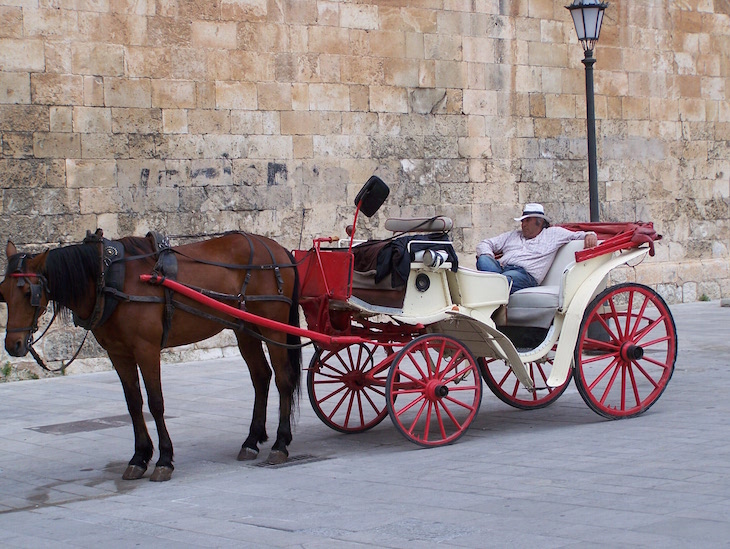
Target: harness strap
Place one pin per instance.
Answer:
(240, 325)
(166, 266)
(133, 298)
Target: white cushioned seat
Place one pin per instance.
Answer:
(536, 307)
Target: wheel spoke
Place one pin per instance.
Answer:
(605, 371)
(600, 357)
(597, 344)
(646, 374)
(366, 394)
(457, 402)
(610, 383)
(414, 362)
(348, 392)
(411, 404)
(333, 393)
(634, 385)
(616, 319)
(639, 316)
(606, 327)
(414, 423)
(440, 420)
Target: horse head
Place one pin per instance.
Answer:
(25, 292)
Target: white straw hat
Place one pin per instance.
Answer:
(533, 210)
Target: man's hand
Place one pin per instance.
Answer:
(591, 240)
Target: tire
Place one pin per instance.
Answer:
(503, 382)
(433, 390)
(624, 363)
(346, 386)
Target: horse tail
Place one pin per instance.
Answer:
(294, 341)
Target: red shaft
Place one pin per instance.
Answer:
(249, 317)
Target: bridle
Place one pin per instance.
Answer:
(36, 293)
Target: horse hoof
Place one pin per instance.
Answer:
(161, 474)
(134, 472)
(277, 457)
(247, 454)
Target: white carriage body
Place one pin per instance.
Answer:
(465, 303)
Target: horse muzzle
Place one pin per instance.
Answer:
(16, 347)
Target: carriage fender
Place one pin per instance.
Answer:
(576, 310)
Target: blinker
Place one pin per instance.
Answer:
(35, 295)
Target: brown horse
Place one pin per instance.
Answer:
(247, 271)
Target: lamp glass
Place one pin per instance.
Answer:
(587, 18)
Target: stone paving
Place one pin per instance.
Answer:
(557, 477)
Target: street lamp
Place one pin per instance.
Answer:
(587, 17)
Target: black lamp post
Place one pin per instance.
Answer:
(587, 17)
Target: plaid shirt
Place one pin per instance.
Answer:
(534, 255)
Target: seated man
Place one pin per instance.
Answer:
(525, 255)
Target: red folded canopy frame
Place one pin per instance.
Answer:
(615, 236)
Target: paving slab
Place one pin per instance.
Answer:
(558, 477)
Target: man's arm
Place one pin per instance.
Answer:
(492, 246)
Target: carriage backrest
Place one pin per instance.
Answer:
(438, 224)
(563, 259)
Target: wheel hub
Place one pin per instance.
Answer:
(630, 352)
(354, 380)
(436, 390)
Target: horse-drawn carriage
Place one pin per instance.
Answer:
(399, 328)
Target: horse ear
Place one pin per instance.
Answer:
(10, 250)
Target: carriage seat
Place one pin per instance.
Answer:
(536, 307)
(382, 293)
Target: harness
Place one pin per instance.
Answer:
(16, 269)
(111, 276)
(110, 284)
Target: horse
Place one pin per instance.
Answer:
(135, 320)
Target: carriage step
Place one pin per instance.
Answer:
(292, 460)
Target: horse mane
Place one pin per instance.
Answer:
(69, 271)
(136, 245)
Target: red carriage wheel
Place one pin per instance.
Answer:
(503, 382)
(347, 386)
(433, 390)
(626, 349)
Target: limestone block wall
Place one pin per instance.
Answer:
(200, 116)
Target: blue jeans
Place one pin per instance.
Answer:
(518, 276)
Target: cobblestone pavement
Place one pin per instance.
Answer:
(556, 477)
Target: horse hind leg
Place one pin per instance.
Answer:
(253, 354)
(286, 383)
(143, 448)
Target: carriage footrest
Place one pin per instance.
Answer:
(372, 308)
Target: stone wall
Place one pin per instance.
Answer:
(199, 116)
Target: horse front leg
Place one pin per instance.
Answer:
(126, 369)
(149, 365)
(258, 367)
